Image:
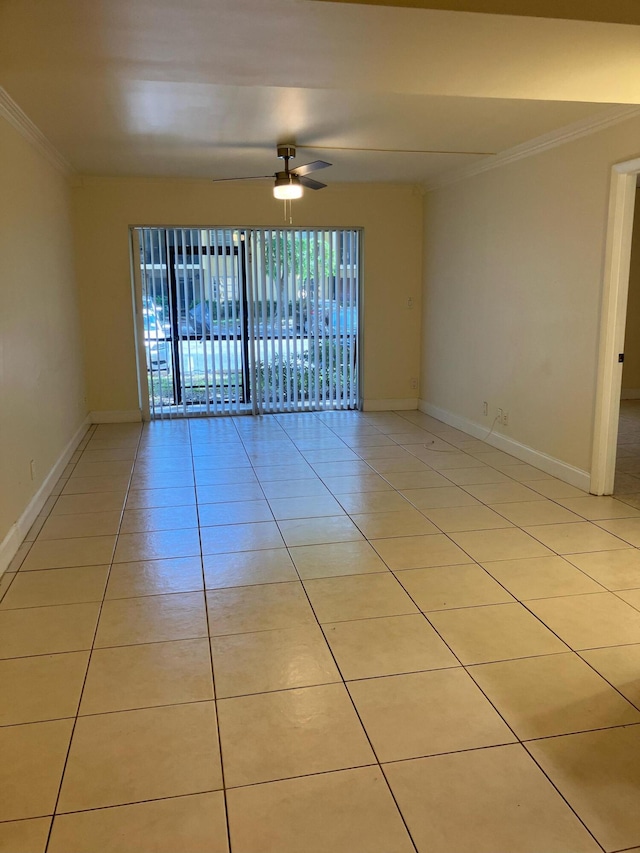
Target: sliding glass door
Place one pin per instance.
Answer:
(257, 320)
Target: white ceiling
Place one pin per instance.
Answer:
(205, 88)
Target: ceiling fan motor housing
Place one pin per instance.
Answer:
(286, 151)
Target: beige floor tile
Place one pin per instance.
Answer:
(56, 586)
(33, 759)
(155, 577)
(257, 536)
(152, 619)
(439, 498)
(599, 775)
(484, 801)
(445, 587)
(474, 476)
(594, 508)
(341, 812)
(141, 755)
(159, 518)
(451, 519)
(272, 736)
(295, 489)
(553, 695)
(90, 485)
(225, 476)
(67, 553)
(112, 468)
(507, 544)
(194, 823)
(271, 660)
(416, 552)
(297, 471)
(162, 480)
(338, 558)
(535, 512)
(116, 455)
(258, 608)
(305, 507)
(627, 529)
(5, 582)
(46, 687)
(80, 524)
(416, 480)
(47, 630)
(19, 557)
(157, 545)
(130, 677)
(426, 713)
(631, 596)
(448, 459)
(383, 451)
(523, 473)
(374, 502)
(493, 633)
(341, 599)
(383, 525)
(358, 484)
(613, 569)
(542, 577)
(393, 466)
(25, 836)
(499, 493)
(387, 646)
(575, 538)
(246, 568)
(620, 665)
(557, 490)
(235, 512)
(159, 498)
(589, 621)
(230, 493)
(319, 531)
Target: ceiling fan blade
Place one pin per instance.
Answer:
(310, 184)
(310, 167)
(246, 178)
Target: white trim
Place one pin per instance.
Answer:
(130, 416)
(615, 290)
(406, 405)
(19, 530)
(565, 134)
(630, 394)
(549, 464)
(23, 124)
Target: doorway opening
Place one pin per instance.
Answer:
(613, 322)
(246, 320)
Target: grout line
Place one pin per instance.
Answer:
(86, 674)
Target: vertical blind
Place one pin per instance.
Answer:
(249, 320)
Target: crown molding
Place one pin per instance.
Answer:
(23, 124)
(555, 138)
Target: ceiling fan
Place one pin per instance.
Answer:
(290, 182)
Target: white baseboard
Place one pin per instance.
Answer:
(116, 417)
(549, 464)
(405, 405)
(630, 394)
(17, 531)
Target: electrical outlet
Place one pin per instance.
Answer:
(500, 415)
(505, 419)
(413, 382)
(485, 408)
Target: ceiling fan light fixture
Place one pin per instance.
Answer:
(287, 186)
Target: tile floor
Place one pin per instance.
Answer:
(345, 632)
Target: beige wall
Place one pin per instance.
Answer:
(512, 299)
(631, 371)
(390, 215)
(41, 365)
